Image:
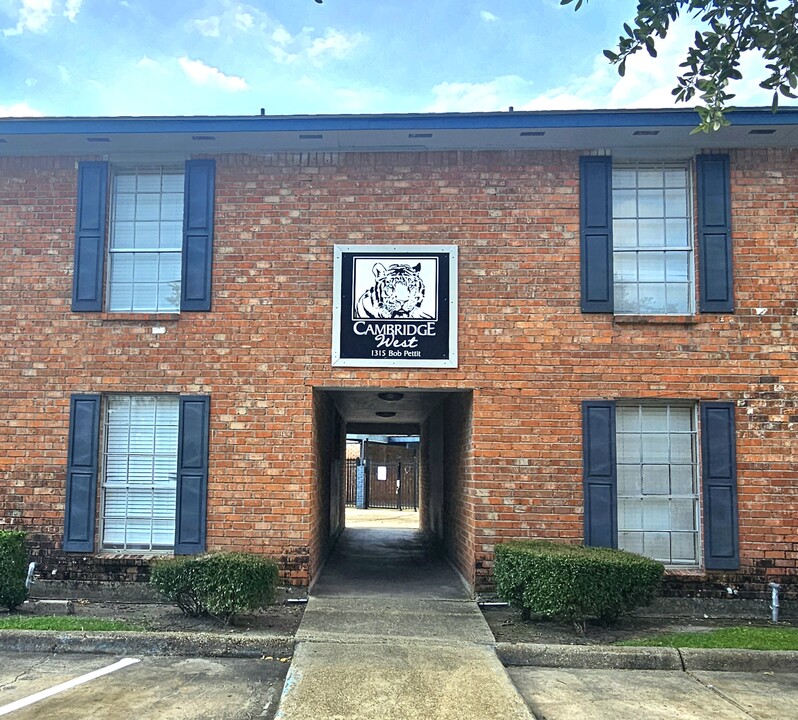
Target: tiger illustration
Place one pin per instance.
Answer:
(397, 293)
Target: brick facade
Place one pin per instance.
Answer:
(528, 356)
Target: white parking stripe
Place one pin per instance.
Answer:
(68, 685)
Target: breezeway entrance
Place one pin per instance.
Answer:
(412, 457)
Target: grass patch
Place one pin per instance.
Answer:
(64, 623)
(744, 638)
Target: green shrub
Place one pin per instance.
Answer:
(217, 584)
(573, 583)
(13, 568)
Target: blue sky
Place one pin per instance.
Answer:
(224, 57)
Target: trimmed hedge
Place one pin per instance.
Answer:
(574, 583)
(217, 584)
(13, 568)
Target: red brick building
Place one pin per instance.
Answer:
(195, 311)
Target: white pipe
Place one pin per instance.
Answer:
(774, 601)
(29, 579)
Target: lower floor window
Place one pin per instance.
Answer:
(658, 497)
(140, 472)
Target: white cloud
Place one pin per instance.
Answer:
(317, 50)
(201, 74)
(358, 100)
(72, 9)
(208, 27)
(334, 43)
(244, 21)
(33, 15)
(494, 95)
(281, 36)
(19, 110)
(233, 19)
(64, 74)
(147, 63)
(488, 16)
(241, 23)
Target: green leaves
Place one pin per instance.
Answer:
(732, 28)
(217, 584)
(13, 568)
(571, 582)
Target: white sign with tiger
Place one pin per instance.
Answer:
(395, 305)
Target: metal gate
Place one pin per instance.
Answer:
(389, 485)
(350, 472)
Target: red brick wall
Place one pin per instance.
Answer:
(329, 438)
(462, 500)
(525, 348)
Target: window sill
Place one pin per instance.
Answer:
(110, 554)
(685, 572)
(139, 317)
(654, 319)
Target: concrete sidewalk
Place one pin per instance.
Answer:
(389, 632)
(568, 694)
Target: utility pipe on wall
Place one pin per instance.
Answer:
(29, 578)
(774, 601)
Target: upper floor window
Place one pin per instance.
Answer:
(146, 239)
(641, 242)
(652, 247)
(158, 241)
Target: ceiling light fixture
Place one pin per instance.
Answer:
(390, 396)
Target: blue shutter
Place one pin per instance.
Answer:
(192, 474)
(595, 217)
(600, 473)
(719, 478)
(715, 273)
(81, 480)
(87, 279)
(198, 235)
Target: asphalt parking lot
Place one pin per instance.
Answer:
(145, 687)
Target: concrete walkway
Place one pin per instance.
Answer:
(390, 632)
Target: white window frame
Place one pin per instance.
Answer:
(639, 250)
(695, 496)
(136, 546)
(114, 250)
